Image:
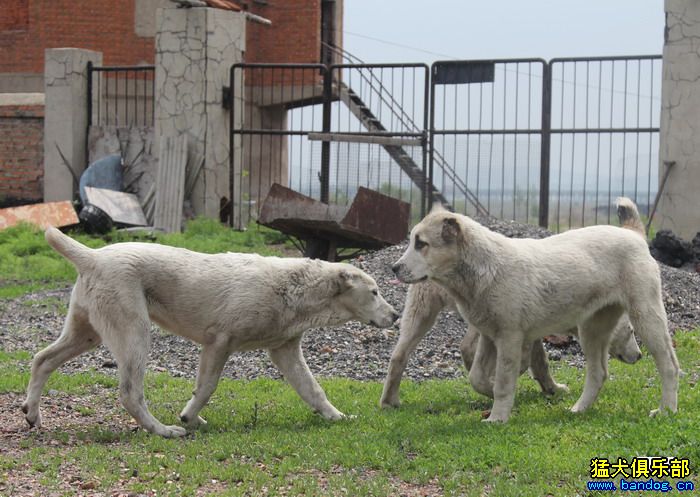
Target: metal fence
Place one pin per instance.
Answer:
(326, 131)
(605, 114)
(120, 96)
(486, 125)
(552, 143)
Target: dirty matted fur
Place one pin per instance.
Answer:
(225, 302)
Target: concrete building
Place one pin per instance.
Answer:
(124, 33)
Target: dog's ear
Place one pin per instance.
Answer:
(346, 280)
(451, 230)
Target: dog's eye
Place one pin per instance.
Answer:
(419, 244)
(375, 292)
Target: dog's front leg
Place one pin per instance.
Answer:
(211, 363)
(419, 315)
(290, 361)
(508, 352)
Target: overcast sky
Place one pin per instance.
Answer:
(468, 29)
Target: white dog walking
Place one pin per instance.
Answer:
(225, 302)
(514, 291)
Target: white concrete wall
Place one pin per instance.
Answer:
(679, 206)
(65, 121)
(195, 49)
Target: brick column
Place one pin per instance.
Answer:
(65, 118)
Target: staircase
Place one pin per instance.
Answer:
(372, 124)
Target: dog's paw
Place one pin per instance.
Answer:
(172, 431)
(389, 403)
(33, 418)
(578, 407)
(333, 414)
(495, 419)
(193, 423)
(557, 388)
(661, 411)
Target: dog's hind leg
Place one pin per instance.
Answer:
(78, 336)
(539, 368)
(419, 315)
(123, 323)
(649, 322)
(290, 361)
(212, 360)
(483, 365)
(594, 336)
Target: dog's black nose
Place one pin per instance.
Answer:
(395, 315)
(639, 355)
(395, 268)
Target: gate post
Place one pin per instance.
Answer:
(546, 144)
(326, 145)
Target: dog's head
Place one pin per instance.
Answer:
(433, 246)
(623, 345)
(358, 294)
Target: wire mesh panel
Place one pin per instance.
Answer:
(605, 115)
(486, 128)
(121, 96)
(274, 108)
(324, 132)
(378, 131)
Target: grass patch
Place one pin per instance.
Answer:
(27, 263)
(262, 438)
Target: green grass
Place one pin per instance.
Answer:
(27, 263)
(262, 437)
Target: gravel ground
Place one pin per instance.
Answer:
(353, 351)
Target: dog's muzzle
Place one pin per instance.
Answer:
(399, 270)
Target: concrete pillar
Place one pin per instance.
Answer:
(65, 118)
(195, 49)
(679, 141)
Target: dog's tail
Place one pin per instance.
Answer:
(81, 256)
(628, 215)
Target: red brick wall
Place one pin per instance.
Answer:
(294, 36)
(21, 153)
(13, 15)
(103, 25)
(27, 27)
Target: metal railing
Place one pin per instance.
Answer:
(552, 143)
(120, 96)
(326, 131)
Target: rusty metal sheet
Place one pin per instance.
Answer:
(372, 221)
(55, 214)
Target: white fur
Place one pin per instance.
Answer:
(427, 299)
(514, 291)
(225, 302)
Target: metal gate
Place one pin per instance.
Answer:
(552, 143)
(326, 131)
(549, 143)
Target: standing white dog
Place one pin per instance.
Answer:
(225, 302)
(514, 291)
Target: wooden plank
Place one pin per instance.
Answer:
(194, 167)
(396, 141)
(123, 208)
(55, 214)
(170, 183)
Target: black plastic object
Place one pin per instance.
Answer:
(95, 220)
